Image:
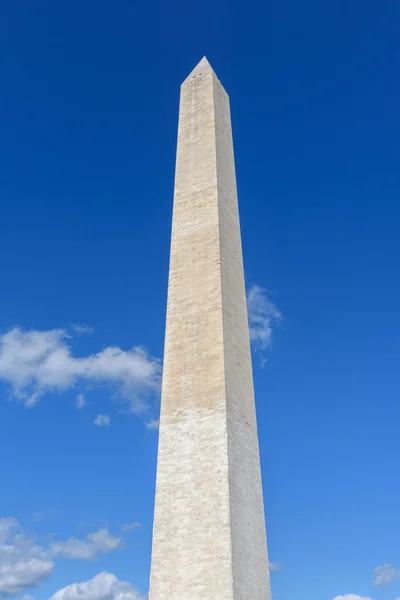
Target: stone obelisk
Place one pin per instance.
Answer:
(209, 539)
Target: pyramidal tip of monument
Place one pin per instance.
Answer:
(204, 64)
(202, 67)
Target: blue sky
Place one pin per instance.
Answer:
(88, 115)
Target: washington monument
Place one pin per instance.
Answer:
(209, 540)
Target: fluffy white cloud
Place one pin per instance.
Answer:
(384, 574)
(104, 586)
(102, 420)
(36, 362)
(24, 563)
(352, 597)
(99, 542)
(263, 316)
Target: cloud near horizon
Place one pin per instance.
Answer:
(34, 363)
(103, 586)
(352, 597)
(25, 563)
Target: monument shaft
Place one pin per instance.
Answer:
(209, 539)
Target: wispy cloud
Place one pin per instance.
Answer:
(153, 424)
(82, 329)
(264, 317)
(130, 526)
(274, 566)
(80, 401)
(44, 515)
(94, 544)
(104, 586)
(37, 362)
(385, 574)
(102, 420)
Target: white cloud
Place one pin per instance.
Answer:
(80, 401)
(352, 597)
(263, 317)
(27, 597)
(94, 544)
(102, 420)
(384, 574)
(273, 566)
(152, 424)
(24, 563)
(104, 586)
(36, 362)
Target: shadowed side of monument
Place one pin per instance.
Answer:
(209, 535)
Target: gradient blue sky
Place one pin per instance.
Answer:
(88, 118)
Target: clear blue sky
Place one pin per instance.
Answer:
(88, 118)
